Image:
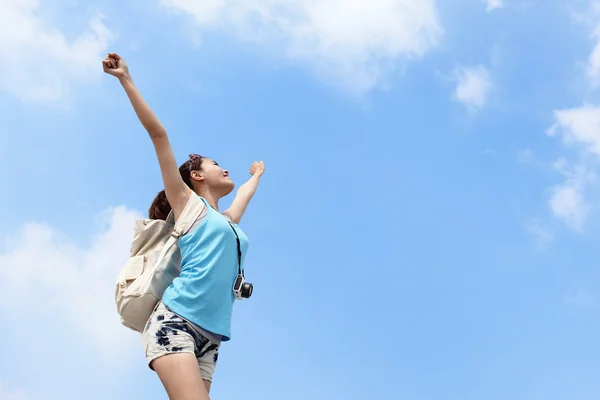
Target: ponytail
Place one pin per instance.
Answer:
(160, 207)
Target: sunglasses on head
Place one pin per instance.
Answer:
(193, 158)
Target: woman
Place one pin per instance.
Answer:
(183, 334)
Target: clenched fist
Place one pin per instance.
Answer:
(257, 167)
(114, 65)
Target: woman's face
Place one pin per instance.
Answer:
(215, 177)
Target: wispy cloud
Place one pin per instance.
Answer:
(493, 4)
(541, 236)
(593, 66)
(525, 156)
(567, 200)
(593, 62)
(39, 62)
(473, 85)
(350, 43)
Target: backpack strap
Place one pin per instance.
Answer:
(184, 223)
(189, 215)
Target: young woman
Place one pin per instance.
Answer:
(183, 334)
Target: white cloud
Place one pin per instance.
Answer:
(580, 125)
(493, 4)
(473, 85)
(38, 62)
(567, 200)
(11, 394)
(352, 43)
(43, 271)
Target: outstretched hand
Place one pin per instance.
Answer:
(114, 65)
(257, 168)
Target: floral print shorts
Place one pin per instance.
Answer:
(168, 333)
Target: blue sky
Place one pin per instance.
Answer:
(426, 228)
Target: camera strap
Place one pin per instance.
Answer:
(239, 249)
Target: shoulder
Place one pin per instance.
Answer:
(227, 216)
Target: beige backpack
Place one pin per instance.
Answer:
(154, 261)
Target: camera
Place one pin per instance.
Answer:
(241, 288)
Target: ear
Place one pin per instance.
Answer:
(197, 176)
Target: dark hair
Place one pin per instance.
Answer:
(160, 207)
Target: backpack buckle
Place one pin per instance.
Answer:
(177, 233)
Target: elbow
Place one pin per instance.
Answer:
(156, 133)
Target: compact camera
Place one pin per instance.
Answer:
(241, 288)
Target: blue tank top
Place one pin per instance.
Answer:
(203, 292)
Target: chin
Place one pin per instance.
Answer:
(228, 188)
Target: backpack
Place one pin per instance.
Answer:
(154, 261)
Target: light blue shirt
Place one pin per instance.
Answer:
(203, 292)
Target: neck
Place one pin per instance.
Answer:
(210, 198)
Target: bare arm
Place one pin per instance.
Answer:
(176, 190)
(245, 194)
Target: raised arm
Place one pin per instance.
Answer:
(245, 193)
(176, 190)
